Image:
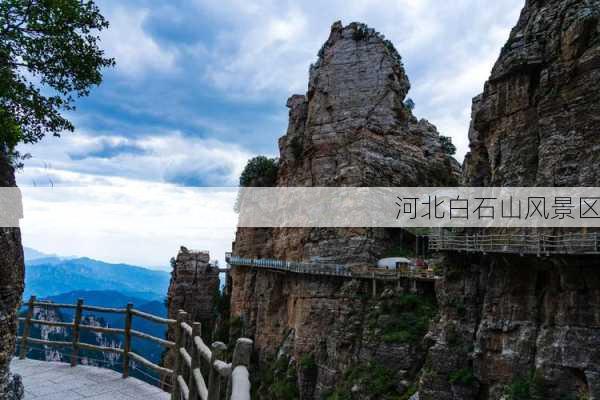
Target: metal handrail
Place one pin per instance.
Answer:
(313, 268)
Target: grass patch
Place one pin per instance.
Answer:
(529, 387)
(279, 381)
(374, 379)
(409, 318)
(463, 377)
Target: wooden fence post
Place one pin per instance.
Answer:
(176, 392)
(214, 379)
(75, 334)
(127, 339)
(26, 328)
(196, 331)
(241, 356)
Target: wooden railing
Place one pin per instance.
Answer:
(189, 383)
(190, 350)
(315, 268)
(538, 244)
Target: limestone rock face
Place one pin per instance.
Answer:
(536, 123)
(194, 283)
(516, 319)
(510, 321)
(351, 129)
(11, 289)
(336, 322)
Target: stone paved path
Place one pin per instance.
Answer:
(58, 381)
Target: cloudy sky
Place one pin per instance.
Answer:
(200, 86)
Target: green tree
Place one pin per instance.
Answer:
(49, 55)
(260, 171)
(447, 146)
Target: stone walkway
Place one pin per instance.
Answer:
(58, 381)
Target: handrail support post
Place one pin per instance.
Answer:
(76, 334)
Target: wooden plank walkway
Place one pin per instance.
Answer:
(537, 244)
(45, 380)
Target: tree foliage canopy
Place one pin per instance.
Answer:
(49, 55)
(447, 146)
(260, 171)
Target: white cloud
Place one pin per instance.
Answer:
(164, 158)
(134, 50)
(128, 220)
(265, 48)
(256, 50)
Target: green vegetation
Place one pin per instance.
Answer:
(447, 146)
(360, 32)
(49, 55)
(463, 377)
(221, 316)
(407, 318)
(530, 387)
(373, 378)
(260, 171)
(297, 148)
(459, 305)
(279, 381)
(409, 103)
(399, 251)
(307, 362)
(233, 329)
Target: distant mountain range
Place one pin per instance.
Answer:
(114, 299)
(147, 349)
(50, 275)
(66, 279)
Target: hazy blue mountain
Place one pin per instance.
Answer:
(114, 299)
(108, 298)
(33, 254)
(147, 349)
(47, 275)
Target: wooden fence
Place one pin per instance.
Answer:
(190, 350)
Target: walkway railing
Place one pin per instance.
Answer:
(313, 268)
(189, 348)
(538, 244)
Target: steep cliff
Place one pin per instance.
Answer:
(536, 123)
(520, 327)
(11, 288)
(352, 128)
(193, 288)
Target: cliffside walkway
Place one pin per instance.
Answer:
(537, 244)
(58, 381)
(192, 355)
(324, 269)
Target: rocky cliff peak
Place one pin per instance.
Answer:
(536, 122)
(352, 127)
